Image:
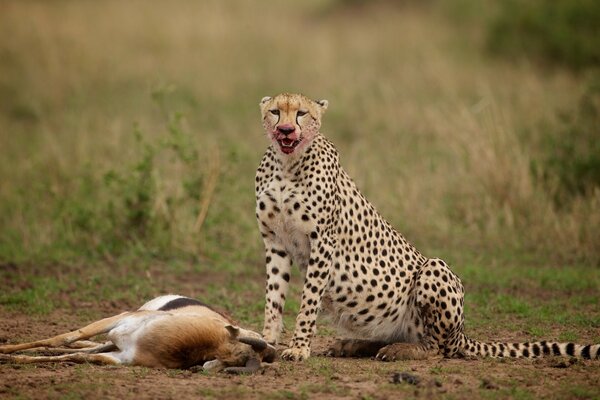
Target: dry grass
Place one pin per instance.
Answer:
(438, 136)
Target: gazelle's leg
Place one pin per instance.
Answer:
(103, 358)
(98, 348)
(101, 348)
(214, 365)
(84, 344)
(93, 329)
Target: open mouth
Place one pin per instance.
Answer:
(288, 145)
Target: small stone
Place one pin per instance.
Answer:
(186, 373)
(405, 377)
(564, 363)
(561, 364)
(488, 384)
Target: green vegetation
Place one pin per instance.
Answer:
(563, 32)
(137, 208)
(129, 148)
(154, 160)
(571, 167)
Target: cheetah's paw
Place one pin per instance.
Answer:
(295, 354)
(403, 351)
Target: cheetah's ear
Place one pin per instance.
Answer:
(265, 99)
(323, 103)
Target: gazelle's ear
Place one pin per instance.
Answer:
(323, 103)
(234, 331)
(265, 99)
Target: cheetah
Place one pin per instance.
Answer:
(391, 300)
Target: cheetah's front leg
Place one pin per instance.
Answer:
(278, 264)
(317, 277)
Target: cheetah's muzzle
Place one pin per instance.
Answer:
(288, 145)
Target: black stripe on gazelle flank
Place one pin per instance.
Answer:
(186, 301)
(181, 302)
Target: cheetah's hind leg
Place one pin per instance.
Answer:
(405, 351)
(422, 350)
(355, 348)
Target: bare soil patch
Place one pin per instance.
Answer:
(319, 377)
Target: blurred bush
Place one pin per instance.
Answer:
(556, 31)
(571, 165)
(155, 204)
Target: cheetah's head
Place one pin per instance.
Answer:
(291, 120)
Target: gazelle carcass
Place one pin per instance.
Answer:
(169, 331)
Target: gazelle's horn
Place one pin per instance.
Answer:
(258, 345)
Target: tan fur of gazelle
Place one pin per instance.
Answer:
(169, 331)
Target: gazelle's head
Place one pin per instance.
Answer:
(245, 351)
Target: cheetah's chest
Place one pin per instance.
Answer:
(280, 211)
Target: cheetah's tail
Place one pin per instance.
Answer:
(472, 347)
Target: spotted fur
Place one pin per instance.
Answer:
(374, 284)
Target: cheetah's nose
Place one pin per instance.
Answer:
(286, 129)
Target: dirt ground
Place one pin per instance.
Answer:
(319, 377)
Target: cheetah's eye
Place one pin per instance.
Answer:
(301, 113)
(274, 112)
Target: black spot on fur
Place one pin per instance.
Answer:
(556, 349)
(545, 348)
(571, 349)
(585, 352)
(281, 253)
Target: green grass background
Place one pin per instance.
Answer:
(130, 133)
